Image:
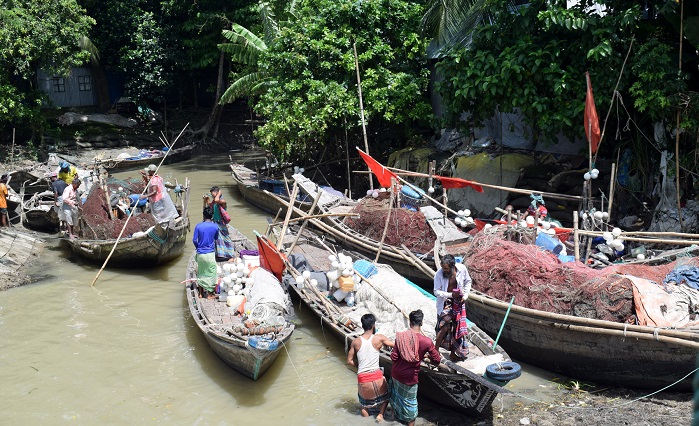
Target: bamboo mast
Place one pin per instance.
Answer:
(361, 110)
(677, 129)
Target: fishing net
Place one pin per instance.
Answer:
(538, 280)
(95, 222)
(405, 226)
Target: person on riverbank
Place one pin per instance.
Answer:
(452, 327)
(410, 349)
(4, 215)
(449, 268)
(204, 239)
(67, 173)
(58, 186)
(71, 205)
(225, 249)
(372, 388)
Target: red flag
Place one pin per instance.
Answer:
(270, 258)
(451, 183)
(383, 175)
(591, 119)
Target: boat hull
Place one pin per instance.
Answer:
(160, 245)
(258, 197)
(177, 154)
(587, 350)
(45, 220)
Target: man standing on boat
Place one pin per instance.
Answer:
(58, 186)
(410, 349)
(372, 387)
(204, 239)
(449, 268)
(161, 206)
(71, 203)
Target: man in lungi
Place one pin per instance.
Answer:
(452, 327)
(410, 348)
(204, 239)
(372, 388)
(450, 269)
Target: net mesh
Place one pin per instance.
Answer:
(405, 226)
(94, 218)
(537, 280)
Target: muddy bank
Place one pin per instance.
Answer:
(18, 250)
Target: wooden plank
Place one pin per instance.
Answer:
(444, 228)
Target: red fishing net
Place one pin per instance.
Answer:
(538, 280)
(94, 221)
(405, 226)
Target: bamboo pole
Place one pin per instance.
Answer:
(446, 208)
(12, 153)
(418, 261)
(576, 240)
(315, 216)
(269, 225)
(361, 110)
(677, 129)
(289, 210)
(131, 213)
(378, 290)
(401, 172)
(388, 219)
(611, 191)
(303, 225)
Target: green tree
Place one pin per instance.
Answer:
(37, 34)
(313, 101)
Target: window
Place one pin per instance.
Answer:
(59, 84)
(84, 83)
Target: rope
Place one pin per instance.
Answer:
(612, 407)
(296, 371)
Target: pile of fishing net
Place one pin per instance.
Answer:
(95, 223)
(405, 226)
(538, 280)
(393, 292)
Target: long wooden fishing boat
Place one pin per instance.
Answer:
(130, 163)
(226, 333)
(38, 212)
(257, 191)
(592, 350)
(460, 386)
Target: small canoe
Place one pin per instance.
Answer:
(39, 212)
(131, 163)
(253, 190)
(227, 334)
(460, 386)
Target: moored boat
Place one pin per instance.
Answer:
(257, 191)
(249, 350)
(39, 212)
(130, 163)
(460, 386)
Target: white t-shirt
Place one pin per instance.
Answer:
(441, 283)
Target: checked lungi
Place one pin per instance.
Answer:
(207, 275)
(403, 400)
(372, 389)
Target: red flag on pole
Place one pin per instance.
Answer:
(383, 175)
(591, 119)
(451, 183)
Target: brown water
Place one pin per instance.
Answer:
(127, 350)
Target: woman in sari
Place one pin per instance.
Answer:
(224, 245)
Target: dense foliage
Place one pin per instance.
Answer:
(36, 34)
(532, 59)
(314, 100)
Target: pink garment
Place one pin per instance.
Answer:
(70, 196)
(157, 182)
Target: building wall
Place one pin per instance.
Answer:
(76, 89)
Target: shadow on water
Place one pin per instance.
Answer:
(235, 384)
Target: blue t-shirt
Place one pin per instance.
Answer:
(205, 235)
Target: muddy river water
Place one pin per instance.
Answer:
(127, 351)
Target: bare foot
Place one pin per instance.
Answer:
(379, 418)
(364, 412)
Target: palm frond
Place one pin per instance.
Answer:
(269, 21)
(86, 44)
(241, 87)
(240, 53)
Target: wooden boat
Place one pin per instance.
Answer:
(130, 163)
(411, 265)
(38, 212)
(456, 387)
(13, 201)
(592, 350)
(161, 243)
(253, 190)
(250, 355)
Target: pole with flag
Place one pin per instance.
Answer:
(592, 130)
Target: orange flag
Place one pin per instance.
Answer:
(591, 119)
(383, 175)
(451, 183)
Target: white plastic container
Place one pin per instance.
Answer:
(250, 261)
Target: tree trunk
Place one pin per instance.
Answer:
(216, 109)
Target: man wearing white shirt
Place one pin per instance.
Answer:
(449, 268)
